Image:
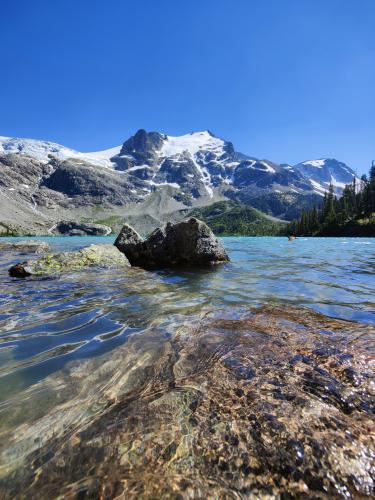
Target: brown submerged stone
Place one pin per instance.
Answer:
(277, 403)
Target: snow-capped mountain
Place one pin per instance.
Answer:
(326, 171)
(153, 173)
(195, 163)
(199, 162)
(201, 165)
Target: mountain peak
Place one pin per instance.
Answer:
(324, 172)
(143, 143)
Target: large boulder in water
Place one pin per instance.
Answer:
(189, 242)
(95, 255)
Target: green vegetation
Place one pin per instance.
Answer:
(230, 218)
(115, 222)
(351, 215)
(287, 206)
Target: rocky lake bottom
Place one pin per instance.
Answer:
(252, 379)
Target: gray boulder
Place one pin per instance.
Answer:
(25, 246)
(72, 228)
(189, 242)
(128, 239)
(95, 255)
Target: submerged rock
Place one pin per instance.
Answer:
(26, 246)
(72, 228)
(275, 402)
(190, 242)
(94, 255)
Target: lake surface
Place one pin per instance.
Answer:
(50, 327)
(45, 323)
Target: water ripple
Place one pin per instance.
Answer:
(44, 323)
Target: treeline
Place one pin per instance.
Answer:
(353, 214)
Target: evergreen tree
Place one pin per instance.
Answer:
(354, 209)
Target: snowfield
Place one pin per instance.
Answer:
(192, 143)
(41, 150)
(315, 163)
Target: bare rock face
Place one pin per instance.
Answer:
(53, 263)
(190, 242)
(128, 239)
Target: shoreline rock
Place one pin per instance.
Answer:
(94, 255)
(72, 228)
(190, 242)
(25, 246)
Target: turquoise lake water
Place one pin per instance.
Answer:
(45, 323)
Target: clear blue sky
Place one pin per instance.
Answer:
(286, 80)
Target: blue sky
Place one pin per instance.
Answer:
(286, 80)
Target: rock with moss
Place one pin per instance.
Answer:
(26, 246)
(95, 255)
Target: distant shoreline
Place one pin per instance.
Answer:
(36, 236)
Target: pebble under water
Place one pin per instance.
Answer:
(252, 379)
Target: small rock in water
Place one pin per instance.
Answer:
(19, 271)
(190, 242)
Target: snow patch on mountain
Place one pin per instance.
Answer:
(337, 183)
(318, 188)
(315, 163)
(107, 154)
(197, 142)
(192, 143)
(172, 184)
(264, 166)
(43, 150)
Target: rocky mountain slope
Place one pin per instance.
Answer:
(325, 171)
(150, 178)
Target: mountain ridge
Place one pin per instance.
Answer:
(192, 170)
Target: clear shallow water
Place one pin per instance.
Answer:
(135, 384)
(45, 323)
